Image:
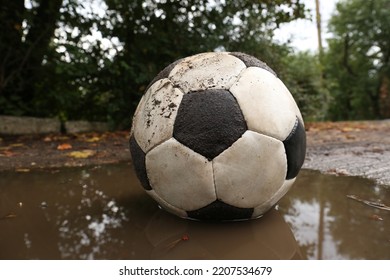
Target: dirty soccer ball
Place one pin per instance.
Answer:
(217, 136)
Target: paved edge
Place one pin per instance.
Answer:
(11, 125)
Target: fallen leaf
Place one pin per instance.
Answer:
(93, 139)
(338, 171)
(185, 237)
(60, 137)
(47, 139)
(65, 146)
(22, 170)
(17, 145)
(7, 153)
(8, 216)
(349, 129)
(376, 218)
(82, 154)
(175, 242)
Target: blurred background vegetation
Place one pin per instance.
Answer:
(92, 59)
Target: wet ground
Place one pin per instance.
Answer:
(360, 148)
(103, 213)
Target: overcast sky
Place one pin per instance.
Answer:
(303, 33)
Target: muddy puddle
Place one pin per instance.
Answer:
(103, 213)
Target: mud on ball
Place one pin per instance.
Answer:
(217, 136)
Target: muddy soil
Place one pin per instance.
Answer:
(342, 148)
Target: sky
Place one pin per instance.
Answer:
(303, 33)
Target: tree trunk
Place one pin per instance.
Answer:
(22, 55)
(384, 97)
(11, 20)
(319, 29)
(37, 44)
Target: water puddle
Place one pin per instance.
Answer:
(329, 225)
(103, 213)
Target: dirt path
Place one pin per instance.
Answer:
(342, 148)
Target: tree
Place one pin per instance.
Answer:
(25, 38)
(302, 75)
(155, 33)
(49, 67)
(357, 64)
(46, 63)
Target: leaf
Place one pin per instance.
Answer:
(348, 129)
(376, 218)
(8, 216)
(82, 154)
(175, 242)
(24, 170)
(338, 171)
(17, 145)
(185, 237)
(7, 153)
(93, 139)
(61, 138)
(47, 139)
(65, 146)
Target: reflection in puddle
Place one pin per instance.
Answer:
(174, 238)
(328, 225)
(103, 213)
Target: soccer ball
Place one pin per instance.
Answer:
(217, 136)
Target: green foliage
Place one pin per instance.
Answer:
(357, 64)
(156, 33)
(95, 58)
(24, 39)
(303, 76)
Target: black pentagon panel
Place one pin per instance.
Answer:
(164, 73)
(251, 61)
(209, 121)
(220, 211)
(138, 158)
(295, 146)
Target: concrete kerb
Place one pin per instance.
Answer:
(85, 126)
(11, 125)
